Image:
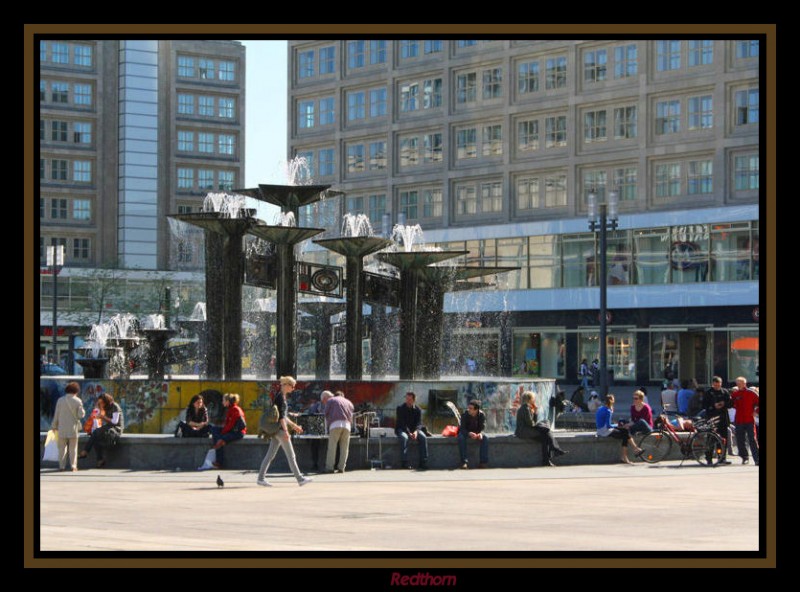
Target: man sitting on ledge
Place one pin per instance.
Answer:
(473, 422)
(408, 426)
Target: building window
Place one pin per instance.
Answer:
(668, 55)
(528, 77)
(226, 107)
(595, 181)
(227, 71)
(42, 51)
(42, 90)
(306, 173)
(492, 140)
(466, 88)
(409, 151)
(186, 141)
(747, 106)
(356, 105)
(466, 143)
(431, 95)
(431, 203)
(185, 178)
(668, 179)
(305, 114)
(58, 131)
(60, 92)
(376, 209)
(305, 64)
(83, 55)
(356, 54)
(730, 252)
(624, 123)
(42, 208)
(186, 67)
(483, 197)
(492, 84)
(80, 248)
(746, 172)
(58, 209)
(668, 117)
(433, 46)
(58, 170)
(59, 53)
(355, 158)
(226, 144)
(206, 69)
(327, 111)
(205, 179)
(626, 62)
(326, 162)
(408, 204)
(462, 43)
(327, 60)
(42, 168)
(556, 73)
(701, 112)
(377, 102)
(82, 132)
(700, 178)
(377, 156)
(83, 94)
(432, 152)
(746, 49)
(555, 190)
(205, 143)
(555, 129)
(81, 209)
(492, 197)
(409, 48)
(206, 106)
(594, 126)
(595, 65)
(185, 104)
(225, 180)
(701, 52)
(528, 189)
(82, 171)
(625, 182)
(377, 51)
(528, 135)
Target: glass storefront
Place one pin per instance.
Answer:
(743, 355)
(664, 354)
(620, 352)
(539, 353)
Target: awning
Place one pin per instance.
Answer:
(745, 344)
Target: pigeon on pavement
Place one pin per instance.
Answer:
(220, 482)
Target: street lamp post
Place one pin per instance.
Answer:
(603, 217)
(55, 259)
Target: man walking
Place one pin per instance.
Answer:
(745, 402)
(339, 419)
(67, 421)
(408, 427)
(473, 422)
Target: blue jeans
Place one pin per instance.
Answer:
(462, 447)
(217, 435)
(640, 426)
(423, 447)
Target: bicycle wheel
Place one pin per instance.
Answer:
(707, 448)
(655, 446)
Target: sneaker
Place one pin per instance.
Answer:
(263, 483)
(745, 461)
(304, 480)
(464, 466)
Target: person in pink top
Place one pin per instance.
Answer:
(745, 401)
(641, 416)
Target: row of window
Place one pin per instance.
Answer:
(207, 143)
(65, 208)
(76, 250)
(203, 68)
(70, 132)
(672, 114)
(192, 179)
(61, 53)
(70, 94)
(207, 106)
(59, 169)
(615, 61)
(721, 252)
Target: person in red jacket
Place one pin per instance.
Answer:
(235, 427)
(745, 401)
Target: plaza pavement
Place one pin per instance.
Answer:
(573, 508)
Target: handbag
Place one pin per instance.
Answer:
(51, 447)
(450, 431)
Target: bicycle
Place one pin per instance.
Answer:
(704, 444)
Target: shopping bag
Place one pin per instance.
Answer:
(208, 463)
(51, 447)
(450, 431)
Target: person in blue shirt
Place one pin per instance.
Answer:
(605, 429)
(688, 388)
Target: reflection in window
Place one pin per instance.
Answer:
(579, 260)
(651, 255)
(730, 252)
(539, 354)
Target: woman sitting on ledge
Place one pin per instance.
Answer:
(196, 424)
(604, 429)
(529, 427)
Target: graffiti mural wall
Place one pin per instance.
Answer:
(154, 407)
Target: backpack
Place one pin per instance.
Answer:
(269, 424)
